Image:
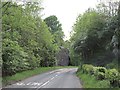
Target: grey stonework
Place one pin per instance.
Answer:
(63, 57)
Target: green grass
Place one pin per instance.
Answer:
(89, 81)
(25, 74)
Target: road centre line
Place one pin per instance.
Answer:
(46, 82)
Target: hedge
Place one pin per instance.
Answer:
(101, 73)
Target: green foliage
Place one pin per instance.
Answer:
(14, 57)
(101, 69)
(113, 64)
(101, 73)
(94, 36)
(88, 30)
(114, 77)
(88, 68)
(89, 81)
(27, 41)
(53, 23)
(55, 28)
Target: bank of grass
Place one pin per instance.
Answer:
(89, 81)
(25, 74)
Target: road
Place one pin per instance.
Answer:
(60, 78)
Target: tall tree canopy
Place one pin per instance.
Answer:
(27, 41)
(94, 36)
(55, 28)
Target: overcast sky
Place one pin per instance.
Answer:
(66, 11)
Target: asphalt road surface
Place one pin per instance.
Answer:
(61, 78)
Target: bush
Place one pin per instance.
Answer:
(14, 58)
(88, 69)
(80, 68)
(114, 77)
(101, 73)
(110, 65)
(102, 69)
(90, 81)
(100, 76)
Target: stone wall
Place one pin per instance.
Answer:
(63, 57)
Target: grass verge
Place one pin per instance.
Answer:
(89, 81)
(25, 74)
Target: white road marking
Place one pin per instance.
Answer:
(19, 84)
(43, 85)
(56, 75)
(52, 78)
(28, 83)
(46, 82)
(39, 85)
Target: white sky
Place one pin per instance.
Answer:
(66, 11)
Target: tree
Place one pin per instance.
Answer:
(27, 41)
(55, 28)
(53, 23)
(93, 33)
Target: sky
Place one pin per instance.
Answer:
(66, 11)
